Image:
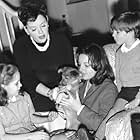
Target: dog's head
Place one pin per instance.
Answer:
(70, 76)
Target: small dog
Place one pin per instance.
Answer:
(71, 79)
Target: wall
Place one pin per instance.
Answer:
(95, 14)
(56, 8)
(14, 3)
(89, 14)
(82, 15)
(116, 7)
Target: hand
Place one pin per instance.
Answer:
(135, 110)
(52, 116)
(62, 93)
(60, 96)
(54, 93)
(138, 95)
(58, 90)
(71, 102)
(100, 133)
(39, 135)
(132, 104)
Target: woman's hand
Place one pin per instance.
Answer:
(71, 102)
(100, 133)
(39, 135)
(60, 96)
(132, 104)
(52, 116)
(57, 91)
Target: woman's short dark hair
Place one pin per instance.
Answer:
(29, 11)
(7, 72)
(99, 62)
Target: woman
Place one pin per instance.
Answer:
(39, 54)
(97, 94)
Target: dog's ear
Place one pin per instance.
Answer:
(60, 71)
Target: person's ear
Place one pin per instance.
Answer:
(132, 33)
(60, 70)
(47, 18)
(3, 86)
(26, 30)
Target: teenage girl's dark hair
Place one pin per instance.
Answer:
(7, 72)
(29, 11)
(99, 62)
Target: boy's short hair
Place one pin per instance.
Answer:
(30, 11)
(127, 21)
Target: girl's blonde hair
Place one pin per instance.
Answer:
(7, 72)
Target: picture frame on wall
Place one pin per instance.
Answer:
(74, 1)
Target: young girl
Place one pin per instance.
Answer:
(126, 28)
(16, 109)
